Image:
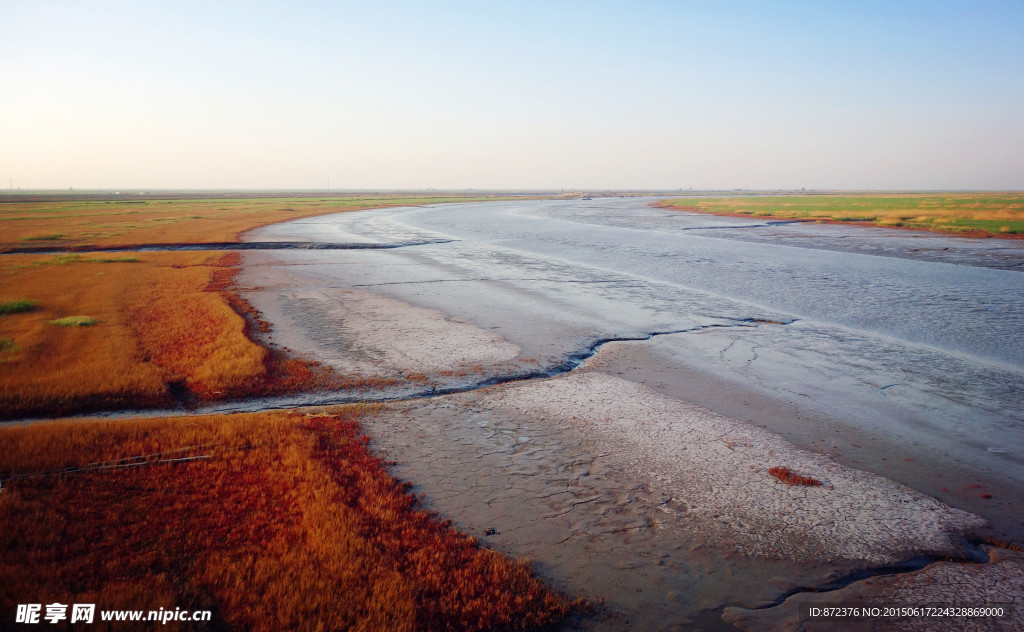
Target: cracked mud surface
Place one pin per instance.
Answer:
(711, 472)
(550, 494)
(661, 508)
(641, 477)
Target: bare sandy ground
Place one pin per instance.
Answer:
(365, 335)
(660, 507)
(713, 473)
(665, 510)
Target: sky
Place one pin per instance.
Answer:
(517, 95)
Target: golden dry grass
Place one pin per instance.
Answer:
(162, 329)
(158, 324)
(292, 524)
(72, 222)
(968, 214)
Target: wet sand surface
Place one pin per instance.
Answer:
(637, 471)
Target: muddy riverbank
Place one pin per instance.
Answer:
(641, 476)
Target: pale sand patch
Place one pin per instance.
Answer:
(362, 334)
(714, 470)
(940, 585)
(400, 336)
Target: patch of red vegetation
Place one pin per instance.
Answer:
(419, 378)
(301, 528)
(460, 586)
(224, 278)
(788, 477)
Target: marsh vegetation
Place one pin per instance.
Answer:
(273, 521)
(973, 214)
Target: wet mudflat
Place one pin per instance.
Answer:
(886, 364)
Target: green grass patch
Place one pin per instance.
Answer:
(75, 321)
(57, 260)
(993, 226)
(113, 260)
(52, 237)
(63, 260)
(7, 345)
(17, 306)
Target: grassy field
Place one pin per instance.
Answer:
(77, 222)
(969, 214)
(104, 333)
(273, 521)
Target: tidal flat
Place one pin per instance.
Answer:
(603, 387)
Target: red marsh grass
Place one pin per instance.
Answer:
(290, 523)
(789, 477)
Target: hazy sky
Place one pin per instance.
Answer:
(771, 94)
